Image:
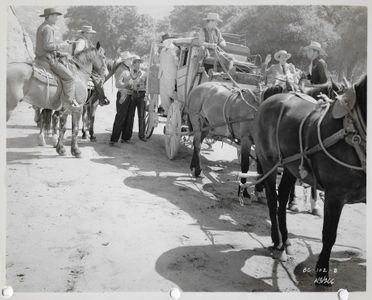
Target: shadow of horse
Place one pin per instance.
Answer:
(215, 268)
(211, 201)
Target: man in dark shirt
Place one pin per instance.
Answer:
(318, 71)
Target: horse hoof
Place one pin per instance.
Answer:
(41, 140)
(283, 256)
(195, 172)
(54, 140)
(316, 212)
(280, 254)
(84, 136)
(93, 139)
(289, 250)
(61, 152)
(261, 197)
(294, 208)
(76, 153)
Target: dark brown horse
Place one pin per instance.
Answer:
(218, 111)
(96, 96)
(336, 165)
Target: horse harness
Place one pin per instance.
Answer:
(226, 112)
(353, 132)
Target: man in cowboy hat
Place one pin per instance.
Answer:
(123, 98)
(138, 86)
(318, 72)
(210, 37)
(85, 39)
(47, 50)
(281, 73)
(168, 63)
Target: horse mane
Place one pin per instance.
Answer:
(361, 94)
(86, 55)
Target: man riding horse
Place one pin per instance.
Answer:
(47, 52)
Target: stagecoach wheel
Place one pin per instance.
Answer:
(151, 116)
(173, 130)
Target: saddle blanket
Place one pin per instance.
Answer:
(44, 76)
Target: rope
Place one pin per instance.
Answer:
(321, 146)
(325, 150)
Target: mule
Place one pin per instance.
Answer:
(218, 111)
(23, 86)
(289, 131)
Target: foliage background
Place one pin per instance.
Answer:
(342, 30)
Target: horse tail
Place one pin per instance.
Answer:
(46, 116)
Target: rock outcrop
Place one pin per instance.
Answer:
(19, 43)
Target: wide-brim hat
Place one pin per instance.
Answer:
(50, 11)
(87, 29)
(166, 36)
(126, 55)
(137, 58)
(281, 52)
(212, 17)
(316, 46)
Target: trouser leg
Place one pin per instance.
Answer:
(141, 114)
(128, 125)
(66, 77)
(120, 118)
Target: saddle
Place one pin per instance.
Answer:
(305, 97)
(44, 74)
(343, 104)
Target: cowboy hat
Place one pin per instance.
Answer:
(281, 52)
(212, 17)
(87, 29)
(50, 11)
(137, 58)
(166, 36)
(316, 46)
(126, 55)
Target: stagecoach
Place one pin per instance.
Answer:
(191, 73)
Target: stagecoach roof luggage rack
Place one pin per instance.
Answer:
(231, 48)
(235, 38)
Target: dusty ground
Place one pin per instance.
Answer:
(126, 218)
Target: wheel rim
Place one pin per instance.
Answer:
(173, 131)
(150, 117)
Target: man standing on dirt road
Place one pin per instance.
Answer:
(123, 99)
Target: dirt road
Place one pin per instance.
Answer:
(125, 218)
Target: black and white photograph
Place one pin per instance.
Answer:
(185, 148)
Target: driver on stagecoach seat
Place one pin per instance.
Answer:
(210, 37)
(47, 52)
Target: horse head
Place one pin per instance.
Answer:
(99, 63)
(92, 56)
